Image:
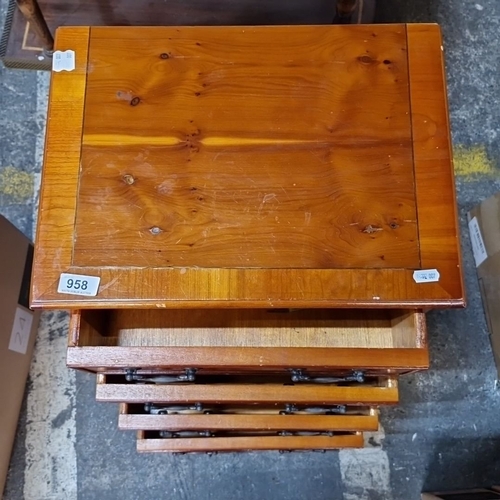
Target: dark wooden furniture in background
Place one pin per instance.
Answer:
(27, 41)
(255, 201)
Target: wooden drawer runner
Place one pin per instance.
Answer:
(150, 442)
(248, 340)
(246, 420)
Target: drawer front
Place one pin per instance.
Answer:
(247, 359)
(247, 393)
(147, 443)
(246, 420)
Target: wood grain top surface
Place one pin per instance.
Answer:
(247, 147)
(249, 166)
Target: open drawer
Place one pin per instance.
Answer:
(240, 419)
(238, 340)
(148, 441)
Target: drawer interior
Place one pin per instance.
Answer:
(344, 328)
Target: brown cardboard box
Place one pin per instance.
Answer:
(484, 228)
(18, 326)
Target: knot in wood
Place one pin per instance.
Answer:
(365, 59)
(371, 229)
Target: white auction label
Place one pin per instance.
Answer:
(20, 335)
(63, 61)
(476, 239)
(426, 276)
(78, 284)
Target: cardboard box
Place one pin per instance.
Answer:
(18, 327)
(484, 228)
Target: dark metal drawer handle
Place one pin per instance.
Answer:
(291, 409)
(172, 409)
(132, 376)
(306, 433)
(184, 434)
(299, 376)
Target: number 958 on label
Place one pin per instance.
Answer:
(78, 284)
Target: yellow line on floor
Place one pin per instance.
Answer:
(16, 183)
(473, 162)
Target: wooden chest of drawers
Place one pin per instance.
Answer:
(269, 211)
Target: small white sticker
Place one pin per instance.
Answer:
(78, 284)
(426, 276)
(63, 61)
(476, 238)
(21, 329)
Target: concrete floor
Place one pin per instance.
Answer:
(444, 434)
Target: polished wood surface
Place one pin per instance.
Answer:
(249, 422)
(247, 359)
(58, 190)
(230, 155)
(254, 443)
(246, 394)
(439, 236)
(332, 117)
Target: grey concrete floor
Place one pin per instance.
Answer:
(445, 434)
